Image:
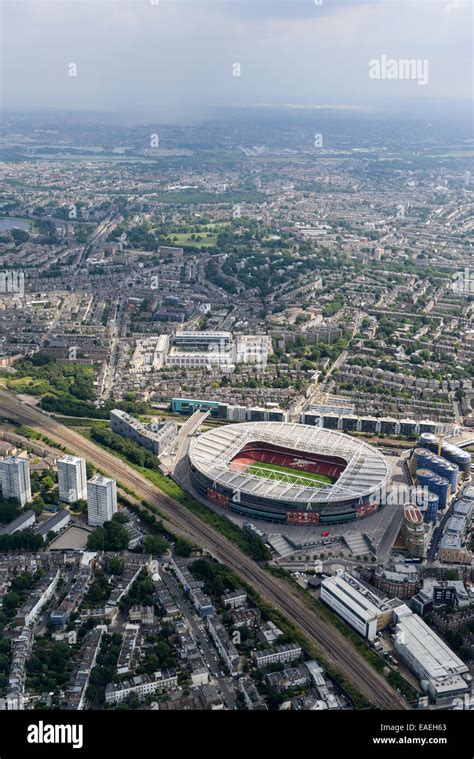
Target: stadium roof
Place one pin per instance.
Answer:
(366, 470)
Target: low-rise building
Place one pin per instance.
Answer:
(55, 524)
(252, 698)
(452, 551)
(235, 599)
(450, 592)
(125, 661)
(286, 653)
(293, 677)
(143, 614)
(22, 522)
(226, 649)
(428, 656)
(75, 696)
(141, 685)
(201, 602)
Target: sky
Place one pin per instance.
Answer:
(176, 57)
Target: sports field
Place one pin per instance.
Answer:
(298, 477)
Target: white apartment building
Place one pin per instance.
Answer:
(15, 479)
(101, 500)
(72, 479)
(45, 593)
(155, 436)
(200, 349)
(195, 359)
(141, 685)
(150, 353)
(286, 653)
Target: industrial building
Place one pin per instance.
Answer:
(428, 656)
(362, 608)
(72, 479)
(15, 479)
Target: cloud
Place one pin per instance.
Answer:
(136, 57)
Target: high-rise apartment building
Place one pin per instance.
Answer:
(101, 500)
(15, 479)
(72, 479)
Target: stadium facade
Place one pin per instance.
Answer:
(288, 472)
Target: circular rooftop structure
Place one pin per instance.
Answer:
(287, 472)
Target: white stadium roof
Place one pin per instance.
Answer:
(366, 470)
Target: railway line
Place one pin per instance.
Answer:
(339, 651)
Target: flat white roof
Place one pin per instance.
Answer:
(360, 599)
(69, 459)
(366, 470)
(432, 653)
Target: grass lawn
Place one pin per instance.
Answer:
(184, 238)
(272, 472)
(29, 385)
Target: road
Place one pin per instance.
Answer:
(114, 355)
(172, 454)
(209, 653)
(318, 387)
(337, 649)
(438, 534)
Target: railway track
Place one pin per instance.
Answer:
(339, 651)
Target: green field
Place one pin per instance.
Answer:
(183, 238)
(272, 472)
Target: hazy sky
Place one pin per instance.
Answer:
(146, 56)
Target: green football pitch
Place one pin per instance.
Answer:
(273, 472)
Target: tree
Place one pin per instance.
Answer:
(48, 482)
(155, 545)
(114, 566)
(9, 509)
(183, 548)
(19, 235)
(112, 536)
(38, 505)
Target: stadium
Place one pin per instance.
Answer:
(291, 473)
